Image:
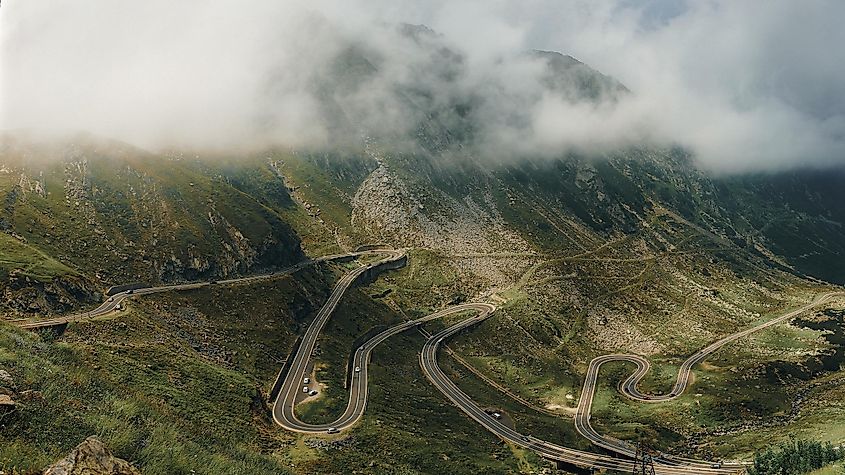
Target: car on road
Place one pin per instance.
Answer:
(130, 292)
(357, 369)
(332, 430)
(111, 299)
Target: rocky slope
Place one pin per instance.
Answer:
(789, 217)
(24, 294)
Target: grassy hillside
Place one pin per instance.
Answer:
(26, 260)
(176, 384)
(665, 305)
(798, 214)
(116, 214)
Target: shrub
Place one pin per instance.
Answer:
(795, 457)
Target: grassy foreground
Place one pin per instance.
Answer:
(177, 384)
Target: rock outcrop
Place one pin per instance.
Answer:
(394, 210)
(25, 295)
(91, 457)
(8, 392)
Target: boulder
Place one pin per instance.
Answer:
(6, 403)
(7, 392)
(91, 457)
(7, 379)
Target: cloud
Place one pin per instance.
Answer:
(743, 85)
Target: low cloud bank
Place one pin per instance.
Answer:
(743, 85)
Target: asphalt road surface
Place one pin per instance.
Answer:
(112, 303)
(283, 408)
(428, 362)
(629, 385)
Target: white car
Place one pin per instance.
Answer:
(305, 389)
(357, 369)
(332, 430)
(306, 380)
(313, 392)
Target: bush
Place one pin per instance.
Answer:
(795, 457)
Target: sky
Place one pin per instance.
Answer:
(745, 85)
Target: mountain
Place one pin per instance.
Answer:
(631, 251)
(576, 80)
(796, 214)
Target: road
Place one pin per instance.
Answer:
(629, 385)
(111, 304)
(432, 371)
(284, 414)
(283, 407)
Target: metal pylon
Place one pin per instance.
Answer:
(643, 460)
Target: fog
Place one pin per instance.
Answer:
(744, 85)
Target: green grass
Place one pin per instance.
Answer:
(834, 469)
(328, 181)
(165, 411)
(355, 315)
(409, 427)
(176, 384)
(29, 261)
(127, 215)
(153, 389)
(425, 284)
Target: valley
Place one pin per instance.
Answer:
(663, 267)
(288, 238)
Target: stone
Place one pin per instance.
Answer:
(6, 402)
(91, 457)
(6, 378)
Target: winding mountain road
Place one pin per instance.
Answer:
(283, 407)
(432, 371)
(629, 385)
(112, 303)
(284, 404)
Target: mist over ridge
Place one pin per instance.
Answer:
(744, 88)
